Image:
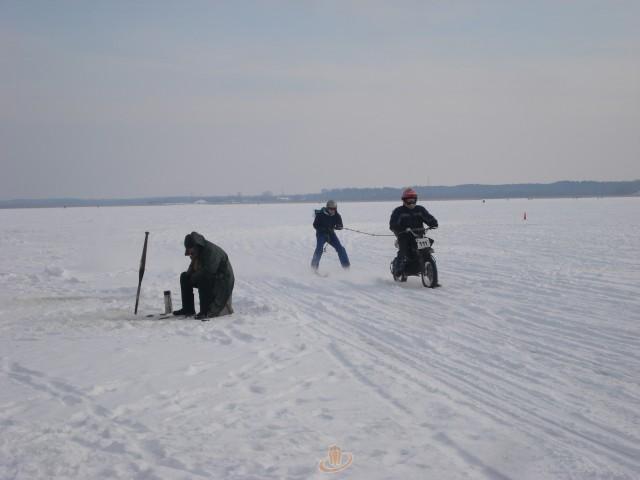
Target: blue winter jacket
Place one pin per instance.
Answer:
(325, 223)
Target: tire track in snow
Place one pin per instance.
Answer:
(344, 360)
(464, 379)
(470, 379)
(310, 324)
(94, 428)
(472, 461)
(450, 446)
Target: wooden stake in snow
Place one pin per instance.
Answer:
(143, 261)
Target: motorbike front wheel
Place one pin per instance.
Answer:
(429, 274)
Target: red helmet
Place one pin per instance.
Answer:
(409, 193)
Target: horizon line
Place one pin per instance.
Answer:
(269, 194)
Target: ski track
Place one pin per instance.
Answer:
(522, 366)
(467, 381)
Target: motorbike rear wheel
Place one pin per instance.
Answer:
(429, 274)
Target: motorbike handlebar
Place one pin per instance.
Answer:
(413, 231)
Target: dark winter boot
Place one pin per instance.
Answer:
(186, 289)
(398, 266)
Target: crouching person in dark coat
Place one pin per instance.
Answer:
(211, 273)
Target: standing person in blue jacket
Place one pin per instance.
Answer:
(327, 221)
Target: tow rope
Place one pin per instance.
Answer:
(370, 234)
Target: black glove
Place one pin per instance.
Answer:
(338, 227)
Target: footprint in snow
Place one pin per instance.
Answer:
(257, 389)
(245, 337)
(196, 369)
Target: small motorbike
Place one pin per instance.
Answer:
(420, 261)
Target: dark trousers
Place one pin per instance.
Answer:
(204, 284)
(406, 242)
(332, 239)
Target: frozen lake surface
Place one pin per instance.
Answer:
(524, 365)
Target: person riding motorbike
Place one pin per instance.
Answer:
(408, 216)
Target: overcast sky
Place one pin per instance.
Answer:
(142, 98)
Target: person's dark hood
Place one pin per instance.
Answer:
(193, 239)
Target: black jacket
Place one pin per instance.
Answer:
(404, 217)
(325, 223)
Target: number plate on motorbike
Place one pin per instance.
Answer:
(423, 243)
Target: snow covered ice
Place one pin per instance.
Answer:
(524, 365)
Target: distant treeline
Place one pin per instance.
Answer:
(565, 189)
(471, 191)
